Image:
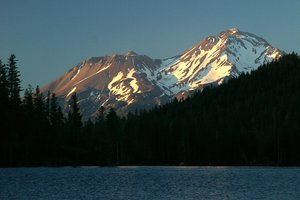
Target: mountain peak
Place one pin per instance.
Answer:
(229, 32)
(233, 30)
(131, 53)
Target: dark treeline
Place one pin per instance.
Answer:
(250, 120)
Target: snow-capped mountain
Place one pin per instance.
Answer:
(131, 81)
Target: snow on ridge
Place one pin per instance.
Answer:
(78, 70)
(134, 82)
(203, 64)
(71, 92)
(122, 91)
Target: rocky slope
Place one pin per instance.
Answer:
(131, 81)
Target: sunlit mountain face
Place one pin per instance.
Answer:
(131, 81)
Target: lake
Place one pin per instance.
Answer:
(150, 183)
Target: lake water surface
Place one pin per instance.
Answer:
(150, 183)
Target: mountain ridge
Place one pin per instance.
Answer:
(132, 81)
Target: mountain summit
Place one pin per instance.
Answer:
(132, 81)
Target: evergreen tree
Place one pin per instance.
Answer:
(39, 105)
(29, 125)
(28, 101)
(4, 99)
(74, 116)
(3, 85)
(56, 116)
(41, 126)
(47, 109)
(113, 125)
(4, 102)
(74, 123)
(56, 123)
(100, 115)
(14, 82)
(14, 114)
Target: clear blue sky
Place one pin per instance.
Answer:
(50, 36)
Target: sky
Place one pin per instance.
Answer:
(49, 37)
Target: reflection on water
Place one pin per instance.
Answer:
(131, 182)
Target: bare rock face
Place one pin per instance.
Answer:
(131, 82)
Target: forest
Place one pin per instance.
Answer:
(251, 120)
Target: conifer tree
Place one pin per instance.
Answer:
(47, 108)
(28, 123)
(112, 120)
(3, 84)
(74, 116)
(14, 117)
(55, 116)
(74, 122)
(39, 104)
(113, 124)
(40, 115)
(3, 91)
(28, 101)
(14, 82)
(100, 115)
(100, 121)
(4, 101)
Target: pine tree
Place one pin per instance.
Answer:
(100, 121)
(113, 124)
(55, 113)
(14, 114)
(100, 115)
(47, 109)
(74, 116)
(14, 82)
(40, 115)
(4, 102)
(28, 101)
(28, 124)
(3, 92)
(28, 109)
(112, 120)
(39, 104)
(3, 84)
(74, 123)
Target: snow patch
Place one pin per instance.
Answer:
(78, 70)
(122, 91)
(71, 92)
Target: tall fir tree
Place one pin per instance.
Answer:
(74, 116)
(3, 84)
(14, 114)
(55, 113)
(4, 102)
(28, 124)
(100, 118)
(40, 111)
(47, 108)
(39, 104)
(74, 123)
(14, 82)
(113, 124)
(28, 108)
(4, 98)
(28, 101)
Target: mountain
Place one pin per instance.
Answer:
(132, 81)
